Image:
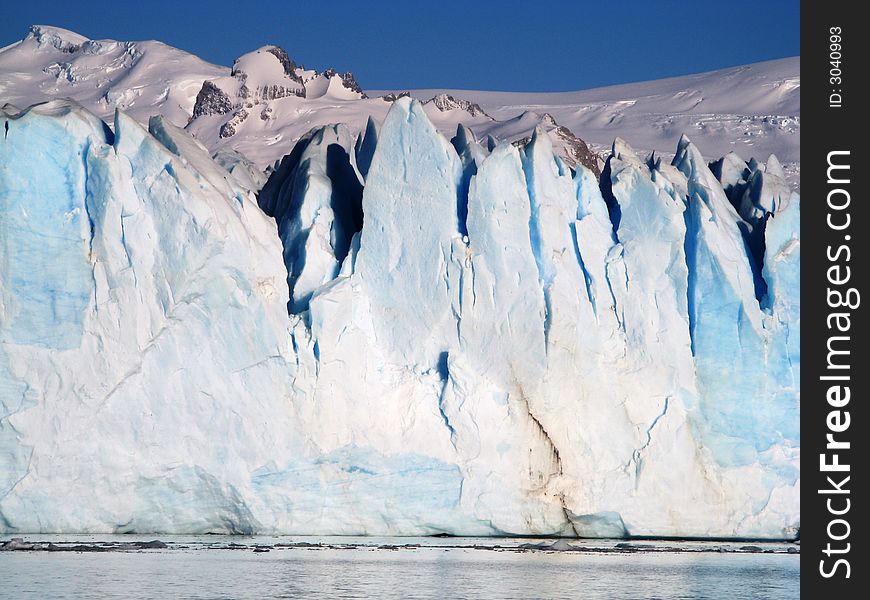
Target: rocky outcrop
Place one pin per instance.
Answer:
(288, 63)
(229, 128)
(347, 80)
(211, 100)
(393, 96)
(578, 150)
(445, 102)
(574, 150)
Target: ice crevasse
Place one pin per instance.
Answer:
(398, 335)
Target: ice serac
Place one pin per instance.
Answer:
(631, 336)
(406, 261)
(748, 422)
(318, 210)
(471, 154)
(495, 374)
(44, 287)
(365, 147)
(651, 294)
(132, 258)
(781, 271)
(398, 335)
(731, 171)
(568, 311)
(728, 323)
(502, 329)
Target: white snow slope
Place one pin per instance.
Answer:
(753, 110)
(397, 335)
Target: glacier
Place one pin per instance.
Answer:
(396, 334)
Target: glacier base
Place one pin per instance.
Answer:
(399, 335)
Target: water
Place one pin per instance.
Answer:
(206, 567)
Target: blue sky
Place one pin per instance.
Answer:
(473, 44)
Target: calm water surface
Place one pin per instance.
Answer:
(205, 568)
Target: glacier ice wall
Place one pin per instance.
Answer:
(399, 335)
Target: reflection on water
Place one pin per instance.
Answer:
(436, 569)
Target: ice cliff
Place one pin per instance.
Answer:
(399, 334)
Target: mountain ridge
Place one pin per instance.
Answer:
(591, 117)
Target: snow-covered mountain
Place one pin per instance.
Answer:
(390, 331)
(140, 78)
(752, 110)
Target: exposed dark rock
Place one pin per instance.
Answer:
(347, 80)
(294, 87)
(391, 97)
(229, 128)
(578, 151)
(351, 83)
(445, 102)
(522, 141)
(288, 63)
(273, 92)
(50, 38)
(211, 100)
(548, 120)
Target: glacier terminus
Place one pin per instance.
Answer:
(391, 332)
